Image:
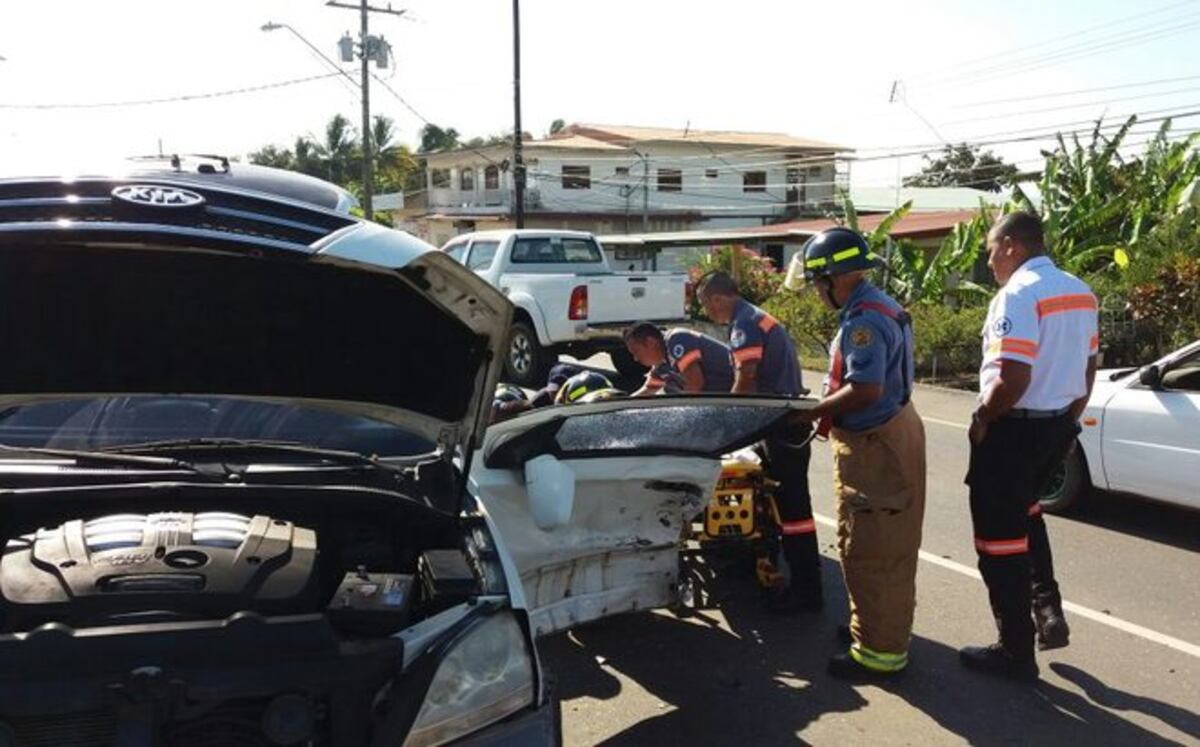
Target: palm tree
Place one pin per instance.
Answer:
(339, 151)
(394, 163)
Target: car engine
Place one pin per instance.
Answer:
(158, 567)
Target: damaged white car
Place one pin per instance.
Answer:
(246, 495)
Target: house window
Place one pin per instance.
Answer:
(814, 170)
(576, 177)
(439, 178)
(491, 178)
(711, 173)
(670, 180)
(754, 181)
(622, 172)
(466, 180)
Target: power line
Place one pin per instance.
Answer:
(395, 94)
(972, 69)
(172, 99)
(1034, 97)
(1056, 40)
(1064, 56)
(1068, 107)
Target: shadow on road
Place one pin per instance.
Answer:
(762, 681)
(1183, 720)
(1157, 522)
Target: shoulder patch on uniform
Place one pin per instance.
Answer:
(677, 352)
(1002, 326)
(861, 336)
(737, 337)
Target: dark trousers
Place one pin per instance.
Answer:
(787, 464)
(1006, 475)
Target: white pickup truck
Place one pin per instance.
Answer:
(568, 299)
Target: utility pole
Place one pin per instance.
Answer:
(645, 191)
(368, 49)
(518, 163)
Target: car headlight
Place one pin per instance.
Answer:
(486, 676)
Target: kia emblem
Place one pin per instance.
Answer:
(154, 196)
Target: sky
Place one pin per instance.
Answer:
(812, 68)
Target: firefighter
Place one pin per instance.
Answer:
(765, 362)
(680, 360)
(878, 453)
(1039, 348)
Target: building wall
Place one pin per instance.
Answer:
(711, 183)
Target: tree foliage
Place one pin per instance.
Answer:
(434, 138)
(964, 165)
(337, 157)
(1099, 206)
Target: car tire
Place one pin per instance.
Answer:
(626, 366)
(526, 362)
(1068, 485)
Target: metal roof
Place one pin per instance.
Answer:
(628, 133)
(912, 226)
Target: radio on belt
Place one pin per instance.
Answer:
(368, 603)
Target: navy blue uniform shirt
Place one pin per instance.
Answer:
(872, 348)
(755, 335)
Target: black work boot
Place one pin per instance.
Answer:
(1052, 629)
(996, 660)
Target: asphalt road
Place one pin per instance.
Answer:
(731, 674)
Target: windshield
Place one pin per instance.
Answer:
(101, 422)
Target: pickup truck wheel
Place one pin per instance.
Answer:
(525, 363)
(1068, 484)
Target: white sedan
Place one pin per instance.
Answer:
(1140, 435)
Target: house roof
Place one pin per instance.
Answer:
(912, 226)
(631, 134)
(926, 199)
(572, 142)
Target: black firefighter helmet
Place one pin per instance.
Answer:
(836, 251)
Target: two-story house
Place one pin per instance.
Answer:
(620, 179)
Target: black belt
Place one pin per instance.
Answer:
(1021, 413)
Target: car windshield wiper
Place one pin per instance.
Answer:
(226, 445)
(102, 458)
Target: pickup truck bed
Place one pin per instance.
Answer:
(568, 299)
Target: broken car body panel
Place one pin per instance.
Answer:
(641, 469)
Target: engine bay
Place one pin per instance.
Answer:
(370, 564)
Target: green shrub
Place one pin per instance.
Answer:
(809, 322)
(756, 276)
(947, 341)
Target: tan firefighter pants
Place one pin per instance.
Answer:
(879, 484)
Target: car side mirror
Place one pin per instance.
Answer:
(550, 485)
(1150, 376)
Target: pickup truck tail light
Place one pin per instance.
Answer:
(579, 303)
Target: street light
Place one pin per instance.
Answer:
(272, 26)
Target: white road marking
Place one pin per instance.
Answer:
(950, 423)
(1113, 622)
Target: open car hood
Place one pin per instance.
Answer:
(243, 295)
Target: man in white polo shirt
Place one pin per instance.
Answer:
(1039, 348)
